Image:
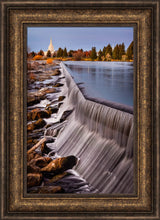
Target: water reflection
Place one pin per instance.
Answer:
(112, 81)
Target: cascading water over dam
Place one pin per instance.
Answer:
(102, 137)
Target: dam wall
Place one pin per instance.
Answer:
(102, 137)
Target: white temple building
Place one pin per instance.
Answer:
(51, 48)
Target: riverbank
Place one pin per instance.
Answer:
(48, 172)
(72, 59)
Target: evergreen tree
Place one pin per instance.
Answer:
(116, 52)
(108, 50)
(48, 53)
(93, 53)
(41, 53)
(130, 51)
(100, 54)
(33, 54)
(104, 51)
(121, 50)
(60, 52)
(65, 52)
(70, 53)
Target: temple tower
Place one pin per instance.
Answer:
(50, 47)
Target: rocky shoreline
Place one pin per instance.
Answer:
(47, 113)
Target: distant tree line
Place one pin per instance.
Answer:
(106, 54)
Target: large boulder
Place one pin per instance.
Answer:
(40, 123)
(40, 162)
(59, 165)
(34, 179)
(32, 99)
(37, 113)
(33, 155)
(33, 169)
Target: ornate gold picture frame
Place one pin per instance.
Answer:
(15, 17)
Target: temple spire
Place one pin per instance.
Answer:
(51, 48)
(51, 41)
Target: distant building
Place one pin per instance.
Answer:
(51, 48)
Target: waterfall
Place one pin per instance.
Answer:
(102, 137)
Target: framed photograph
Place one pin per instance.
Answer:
(80, 110)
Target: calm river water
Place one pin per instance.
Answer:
(112, 81)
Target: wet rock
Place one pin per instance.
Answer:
(65, 115)
(33, 169)
(31, 77)
(43, 77)
(33, 155)
(29, 115)
(54, 129)
(61, 98)
(37, 113)
(36, 97)
(52, 153)
(47, 106)
(38, 86)
(32, 114)
(49, 125)
(50, 90)
(58, 85)
(40, 162)
(46, 189)
(31, 142)
(34, 179)
(29, 66)
(56, 72)
(40, 123)
(32, 66)
(44, 148)
(44, 114)
(43, 64)
(32, 100)
(59, 104)
(59, 165)
(35, 134)
(52, 109)
(30, 127)
(47, 148)
(36, 146)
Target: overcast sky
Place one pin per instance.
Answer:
(77, 37)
